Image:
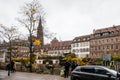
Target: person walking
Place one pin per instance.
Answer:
(66, 67)
(8, 68)
(12, 66)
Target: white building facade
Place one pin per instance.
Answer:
(58, 52)
(81, 45)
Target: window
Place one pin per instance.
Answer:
(112, 32)
(111, 40)
(78, 39)
(100, 71)
(73, 45)
(87, 49)
(103, 41)
(73, 50)
(81, 50)
(107, 41)
(77, 45)
(116, 39)
(55, 52)
(97, 35)
(77, 69)
(77, 50)
(88, 38)
(89, 70)
(106, 34)
(116, 46)
(111, 46)
(99, 41)
(103, 47)
(107, 47)
(95, 48)
(98, 47)
(40, 62)
(74, 40)
(56, 62)
(84, 39)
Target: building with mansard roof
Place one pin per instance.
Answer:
(57, 48)
(105, 40)
(80, 46)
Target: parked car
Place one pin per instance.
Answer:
(94, 72)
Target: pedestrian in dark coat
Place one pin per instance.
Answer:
(8, 68)
(66, 71)
(12, 66)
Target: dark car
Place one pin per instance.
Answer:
(94, 72)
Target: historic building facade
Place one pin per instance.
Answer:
(106, 40)
(20, 48)
(54, 49)
(57, 48)
(80, 46)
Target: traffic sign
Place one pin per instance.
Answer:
(106, 57)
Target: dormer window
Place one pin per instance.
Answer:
(117, 32)
(74, 40)
(78, 39)
(88, 38)
(105, 34)
(112, 32)
(84, 39)
(97, 35)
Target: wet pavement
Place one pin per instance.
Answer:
(29, 76)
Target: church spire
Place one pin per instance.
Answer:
(40, 32)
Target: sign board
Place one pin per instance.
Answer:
(106, 57)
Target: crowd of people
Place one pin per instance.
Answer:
(69, 65)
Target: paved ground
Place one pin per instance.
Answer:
(29, 76)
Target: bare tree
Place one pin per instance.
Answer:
(48, 34)
(32, 12)
(7, 34)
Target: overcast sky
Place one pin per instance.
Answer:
(68, 18)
